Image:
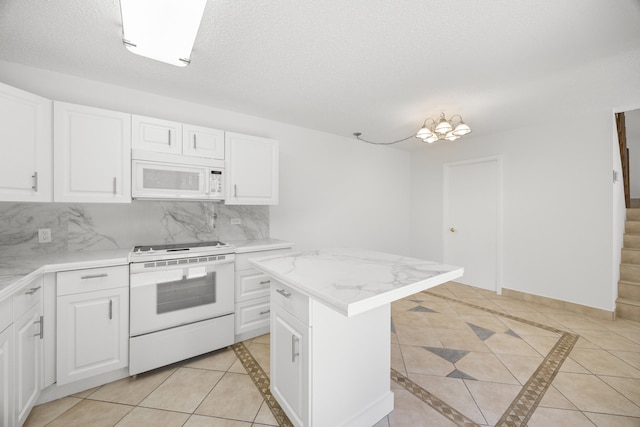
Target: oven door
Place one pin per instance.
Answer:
(163, 297)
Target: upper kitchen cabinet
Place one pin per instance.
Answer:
(25, 140)
(151, 134)
(92, 154)
(199, 141)
(164, 136)
(252, 170)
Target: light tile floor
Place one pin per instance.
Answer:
(461, 356)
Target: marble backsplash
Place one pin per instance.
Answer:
(83, 227)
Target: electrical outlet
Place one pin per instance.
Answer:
(236, 221)
(44, 235)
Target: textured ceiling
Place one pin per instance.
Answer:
(375, 66)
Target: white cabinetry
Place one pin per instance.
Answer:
(92, 155)
(252, 296)
(164, 136)
(25, 141)
(6, 364)
(151, 134)
(328, 369)
(28, 332)
(92, 322)
(199, 141)
(252, 170)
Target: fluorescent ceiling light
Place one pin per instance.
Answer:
(164, 30)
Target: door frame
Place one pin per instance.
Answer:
(446, 245)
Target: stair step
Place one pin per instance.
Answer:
(633, 214)
(628, 309)
(632, 241)
(630, 256)
(630, 272)
(629, 290)
(632, 227)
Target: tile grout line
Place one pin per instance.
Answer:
(525, 403)
(262, 382)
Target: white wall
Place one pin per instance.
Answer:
(334, 191)
(562, 220)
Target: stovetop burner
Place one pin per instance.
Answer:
(178, 250)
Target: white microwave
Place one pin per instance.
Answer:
(159, 180)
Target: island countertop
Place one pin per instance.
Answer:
(352, 281)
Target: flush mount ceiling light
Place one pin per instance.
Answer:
(432, 131)
(164, 30)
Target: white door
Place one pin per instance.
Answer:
(472, 219)
(92, 154)
(25, 141)
(6, 373)
(151, 134)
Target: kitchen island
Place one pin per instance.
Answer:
(330, 330)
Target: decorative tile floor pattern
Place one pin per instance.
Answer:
(461, 356)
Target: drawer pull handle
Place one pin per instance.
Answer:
(35, 181)
(32, 291)
(262, 313)
(94, 276)
(110, 309)
(294, 353)
(284, 293)
(265, 282)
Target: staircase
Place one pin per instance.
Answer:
(628, 302)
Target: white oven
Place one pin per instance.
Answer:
(181, 306)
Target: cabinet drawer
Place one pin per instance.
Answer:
(6, 313)
(26, 297)
(251, 284)
(252, 315)
(291, 300)
(242, 260)
(92, 279)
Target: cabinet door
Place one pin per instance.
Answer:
(150, 134)
(28, 361)
(199, 141)
(92, 155)
(252, 170)
(6, 374)
(290, 365)
(25, 141)
(93, 334)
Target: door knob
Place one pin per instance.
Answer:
(453, 230)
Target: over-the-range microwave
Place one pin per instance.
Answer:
(175, 177)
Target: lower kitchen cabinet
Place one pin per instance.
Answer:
(28, 362)
(92, 322)
(93, 334)
(6, 374)
(252, 295)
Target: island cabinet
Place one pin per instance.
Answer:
(252, 170)
(92, 154)
(27, 150)
(330, 330)
(92, 322)
(313, 346)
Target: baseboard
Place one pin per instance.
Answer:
(597, 313)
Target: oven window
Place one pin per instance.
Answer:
(186, 293)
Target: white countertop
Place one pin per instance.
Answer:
(352, 281)
(243, 246)
(18, 270)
